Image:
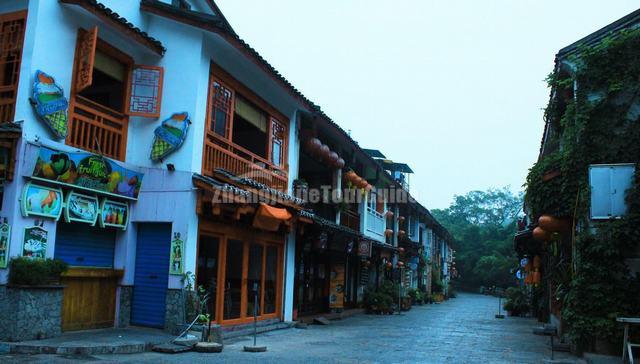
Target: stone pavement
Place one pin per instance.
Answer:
(461, 330)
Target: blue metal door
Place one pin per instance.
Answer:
(81, 245)
(151, 275)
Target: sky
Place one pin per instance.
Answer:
(454, 88)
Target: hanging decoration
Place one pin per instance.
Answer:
(50, 104)
(34, 243)
(169, 136)
(177, 253)
(323, 153)
(5, 239)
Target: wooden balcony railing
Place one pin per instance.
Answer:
(97, 128)
(220, 153)
(350, 219)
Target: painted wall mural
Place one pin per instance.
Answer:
(34, 244)
(41, 201)
(169, 136)
(50, 104)
(81, 208)
(87, 171)
(177, 253)
(5, 239)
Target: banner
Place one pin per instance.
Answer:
(87, 171)
(336, 287)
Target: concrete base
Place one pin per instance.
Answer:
(255, 349)
(208, 347)
(95, 342)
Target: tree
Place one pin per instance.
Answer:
(482, 224)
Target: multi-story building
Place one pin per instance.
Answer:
(151, 148)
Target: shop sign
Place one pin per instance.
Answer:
(81, 208)
(336, 286)
(177, 253)
(87, 171)
(364, 248)
(41, 201)
(114, 214)
(34, 244)
(5, 239)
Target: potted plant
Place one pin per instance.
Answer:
(36, 272)
(516, 302)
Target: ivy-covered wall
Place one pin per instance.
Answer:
(593, 118)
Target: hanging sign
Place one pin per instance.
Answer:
(177, 252)
(114, 214)
(5, 238)
(41, 201)
(364, 248)
(34, 243)
(169, 136)
(50, 104)
(81, 208)
(87, 171)
(336, 286)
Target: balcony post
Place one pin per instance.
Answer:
(337, 186)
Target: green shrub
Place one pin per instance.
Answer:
(517, 301)
(34, 272)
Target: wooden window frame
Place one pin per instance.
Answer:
(129, 92)
(247, 236)
(217, 74)
(122, 57)
(12, 16)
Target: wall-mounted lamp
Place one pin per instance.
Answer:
(171, 167)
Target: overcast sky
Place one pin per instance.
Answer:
(453, 88)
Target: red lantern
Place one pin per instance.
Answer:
(401, 233)
(349, 176)
(401, 249)
(389, 213)
(368, 187)
(313, 145)
(541, 234)
(324, 151)
(389, 265)
(363, 183)
(332, 158)
(388, 232)
(339, 163)
(553, 224)
(400, 264)
(401, 218)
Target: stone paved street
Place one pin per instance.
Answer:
(461, 330)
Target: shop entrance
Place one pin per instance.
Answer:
(89, 297)
(151, 275)
(235, 264)
(313, 283)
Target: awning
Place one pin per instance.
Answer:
(269, 218)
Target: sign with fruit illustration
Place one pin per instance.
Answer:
(81, 208)
(41, 201)
(87, 171)
(177, 254)
(34, 244)
(114, 214)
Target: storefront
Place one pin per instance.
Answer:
(240, 252)
(87, 196)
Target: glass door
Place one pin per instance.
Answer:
(233, 279)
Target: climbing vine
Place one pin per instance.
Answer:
(599, 123)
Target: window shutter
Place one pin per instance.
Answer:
(86, 54)
(145, 91)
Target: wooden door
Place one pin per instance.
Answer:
(89, 299)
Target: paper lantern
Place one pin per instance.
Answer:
(332, 157)
(349, 176)
(400, 264)
(368, 187)
(313, 145)
(363, 183)
(553, 224)
(339, 163)
(389, 213)
(536, 262)
(389, 265)
(401, 249)
(388, 232)
(401, 218)
(401, 233)
(535, 277)
(541, 234)
(324, 151)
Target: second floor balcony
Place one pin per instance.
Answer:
(375, 225)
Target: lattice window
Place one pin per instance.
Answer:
(221, 110)
(12, 27)
(278, 138)
(86, 52)
(146, 91)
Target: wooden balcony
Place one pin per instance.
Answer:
(7, 103)
(350, 219)
(97, 128)
(220, 153)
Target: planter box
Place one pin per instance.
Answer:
(30, 312)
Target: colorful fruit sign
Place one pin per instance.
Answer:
(81, 208)
(41, 201)
(87, 171)
(114, 214)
